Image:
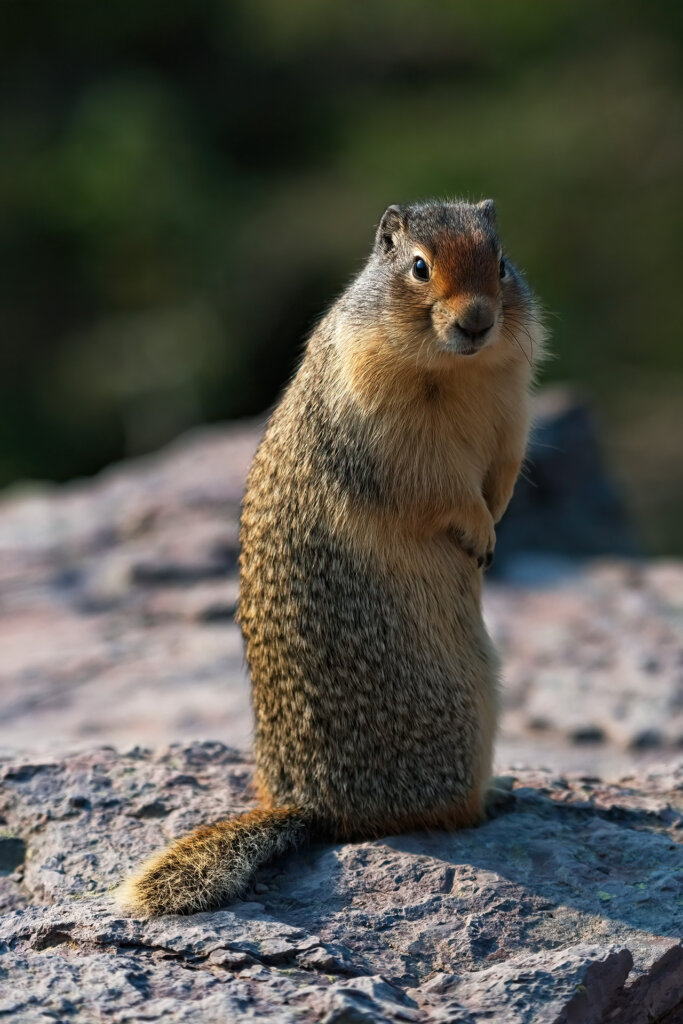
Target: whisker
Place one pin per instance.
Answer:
(511, 336)
(522, 473)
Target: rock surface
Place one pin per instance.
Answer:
(117, 598)
(565, 907)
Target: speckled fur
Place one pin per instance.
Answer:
(212, 865)
(370, 505)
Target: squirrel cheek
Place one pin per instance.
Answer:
(441, 320)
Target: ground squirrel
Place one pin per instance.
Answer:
(369, 513)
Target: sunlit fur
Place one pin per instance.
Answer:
(370, 507)
(212, 865)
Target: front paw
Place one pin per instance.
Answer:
(479, 547)
(486, 561)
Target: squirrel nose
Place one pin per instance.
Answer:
(474, 335)
(475, 321)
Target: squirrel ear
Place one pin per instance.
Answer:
(488, 208)
(391, 224)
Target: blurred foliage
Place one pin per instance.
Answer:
(184, 187)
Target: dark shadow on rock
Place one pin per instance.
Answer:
(536, 859)
(566, 507)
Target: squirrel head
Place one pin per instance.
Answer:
(441, 286)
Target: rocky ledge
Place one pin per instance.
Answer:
(565, 907)
(117, 599)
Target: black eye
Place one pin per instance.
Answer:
(420, 269)
(502, 272)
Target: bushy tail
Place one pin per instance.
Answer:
(213, 864)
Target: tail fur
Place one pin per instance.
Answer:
(213, 864)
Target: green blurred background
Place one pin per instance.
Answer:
(185, 186)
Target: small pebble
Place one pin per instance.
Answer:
(587, 734)
(646, 738)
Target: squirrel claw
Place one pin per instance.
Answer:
(484, 561)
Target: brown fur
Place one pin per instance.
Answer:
(213, 864)
(370, 506)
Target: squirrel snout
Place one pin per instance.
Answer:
(474, 321)
(473, 335)
(465, 326)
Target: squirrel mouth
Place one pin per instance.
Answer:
(464, 350)
(458, 345)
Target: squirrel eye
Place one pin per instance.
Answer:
(502, 270)
(420, 269)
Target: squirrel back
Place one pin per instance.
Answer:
(369, 511)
